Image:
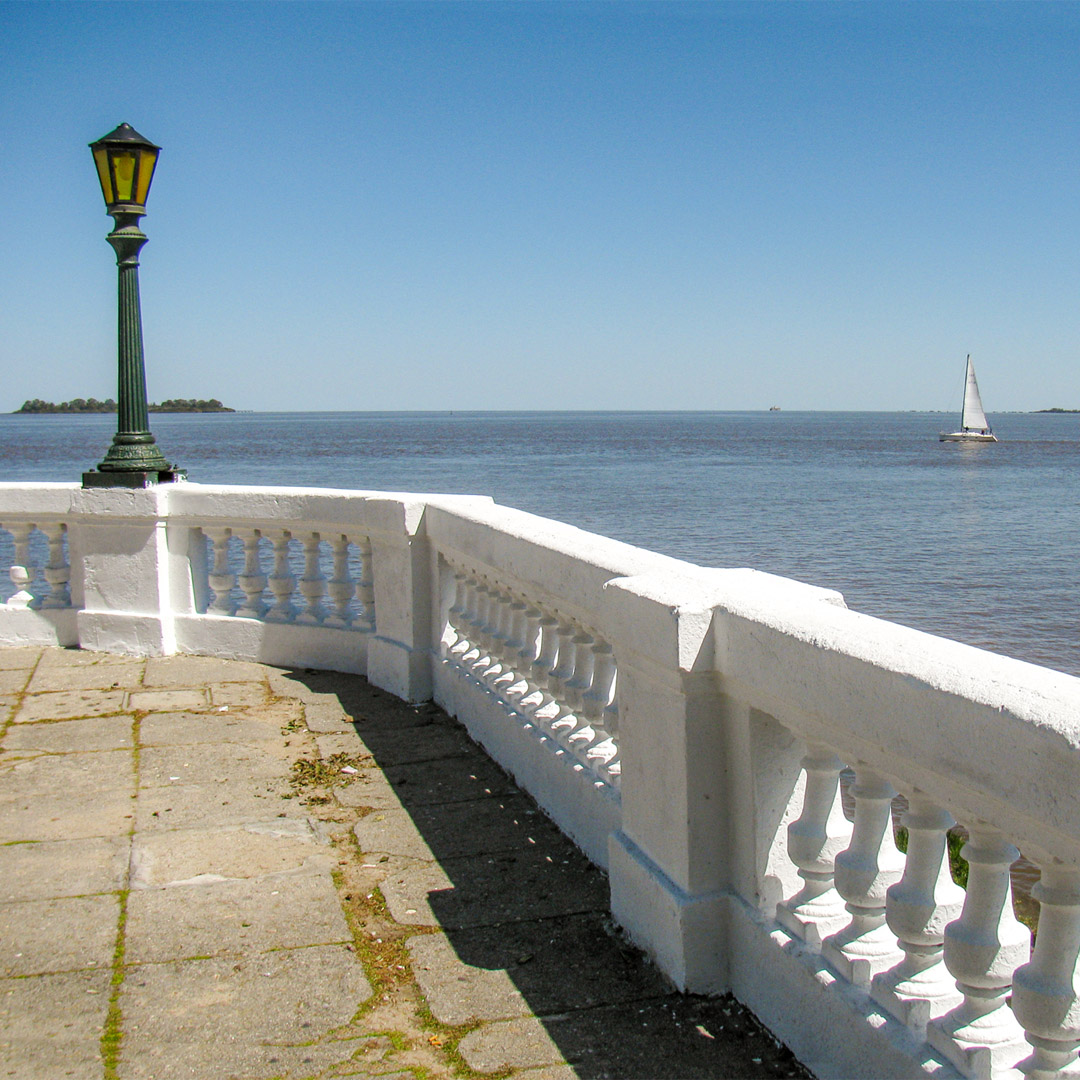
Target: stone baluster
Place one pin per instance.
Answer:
(469, 651)
(609, 718)
(982, 950)
(365, 586)
(498, 632)
(562, 720)
(313, 583)
(918, 908)
(583, 735)
(531, 696)
(546, 658)
(221, 580)
(514, 685)
(252, 580)
(604, 751)
(453, 635)
(463, 622)
(57, 569)
(21, 573)
(1046, 991)
(864, 872)
(815, 839)
(341, 586)
(481, 631)
(563, 670)
(282, 582)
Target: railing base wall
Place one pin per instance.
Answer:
(286, 645)
(128, 633)
(49, 626)
(836, 1030)
(587, 811)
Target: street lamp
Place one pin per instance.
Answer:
(125, 164)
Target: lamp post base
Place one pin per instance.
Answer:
(133, 478)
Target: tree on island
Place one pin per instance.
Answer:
(92, 405)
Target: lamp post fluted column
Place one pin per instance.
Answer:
(126, 163)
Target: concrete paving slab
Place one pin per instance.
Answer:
(422, 742)
(100, 676)
(328, 717)
(56, 659)
(51, 1026)
(369, 790)
(260, 1016)
(27, 658)
(513, 1044)
(240, 695)
(47, 774)
(53, 868)
(492, 890)
(62, 736)
(173, 671)
(676, 1037)
(429, 782)
(181, 728)
(209, 763)
(457, 992)
(65, 815)
(495, 824)
(534, 954)
(173, 700)
(13, 680)
(69, 704)
(202, 806)
(64, 934)
(254, 850)
(211, 917)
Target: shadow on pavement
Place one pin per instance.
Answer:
(526, 901)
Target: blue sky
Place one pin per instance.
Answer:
(552, 206)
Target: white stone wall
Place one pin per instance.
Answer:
(690, 728)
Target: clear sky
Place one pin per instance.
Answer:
(551, 206)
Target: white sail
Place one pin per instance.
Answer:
(972, 418)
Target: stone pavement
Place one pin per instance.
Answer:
(216, 869)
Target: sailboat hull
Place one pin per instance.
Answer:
(967, 436)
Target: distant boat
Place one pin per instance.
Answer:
(774, 408)
(974, 427)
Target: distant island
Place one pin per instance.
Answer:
(92, 405)
(1058, 410)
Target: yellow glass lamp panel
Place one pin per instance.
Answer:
(123, 167)
(146, 174)
(101, 159)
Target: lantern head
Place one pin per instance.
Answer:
(125, 164)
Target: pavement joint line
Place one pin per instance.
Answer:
(112, 1035)
(19, 696)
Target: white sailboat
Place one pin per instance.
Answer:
(974, 427)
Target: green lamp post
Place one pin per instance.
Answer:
(125, 164)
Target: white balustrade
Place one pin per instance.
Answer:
(686, 726)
